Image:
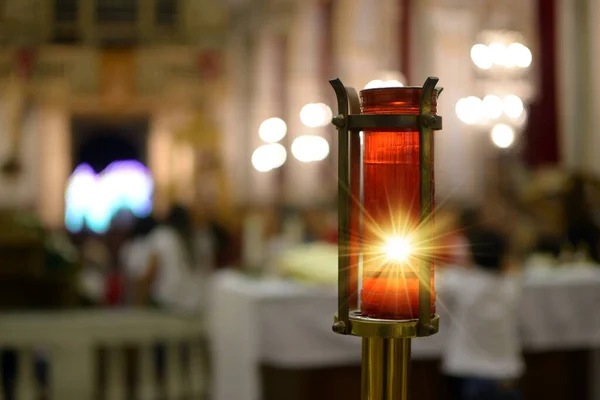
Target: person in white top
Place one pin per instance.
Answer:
(135, 252)
(483, 356)
(173, 278)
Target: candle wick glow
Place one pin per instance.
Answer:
(398, 249)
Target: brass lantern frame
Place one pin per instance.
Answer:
(386, 343)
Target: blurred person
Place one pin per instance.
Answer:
(95, 267)
(172, 278)
(482, 359)
(114, 289)
(582, 233)
(544, 199)
(225, 247)
(135, 251)
(214, 241)
(206, 239)
(451, 226)
(563, 216)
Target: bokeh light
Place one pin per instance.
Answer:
(513, 106)
(379, 84)
(503, 135)
(469, 110)
(315, 115)
(481, 56)
(272, 130)
(498, 53)
(310, 148)
(513, 55)
(92, 200)
(492, 106)
(268, 157)
(520, 55)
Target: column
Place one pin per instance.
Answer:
(47, 20)
(54, 135)
(265, 104)
(445, 36)
(235, 118)
(146, 379)
(592, 88)
(183, 159)
(145, 22)
(365, 39)
(73, 370)
(87, 20)
(568, 82)
(117, 372)
(26, 388)
(303, 181)
(160, 144)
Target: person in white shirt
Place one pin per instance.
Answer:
(173, 278)
(483, 357)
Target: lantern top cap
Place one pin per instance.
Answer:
(393, 88)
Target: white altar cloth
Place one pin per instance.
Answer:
(288, 324)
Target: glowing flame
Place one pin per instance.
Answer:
(398, 249)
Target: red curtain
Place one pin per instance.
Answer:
(541, 136)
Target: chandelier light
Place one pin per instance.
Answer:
(315, 115)
(268, 157)
(309, 148)
(469, 110)
(387, 79)
(513, 106)
(503, 136)
(492, 106)
(379, 84)
(515, 55)
(272, 130)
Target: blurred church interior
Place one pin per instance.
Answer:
(131, 127)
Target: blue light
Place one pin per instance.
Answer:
(92, 200)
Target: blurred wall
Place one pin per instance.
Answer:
(22, 192)
(83, 81)
(368, 42)
(578, 58)
(303, 181)
(443, 39)
(167, 83)
(366, 38)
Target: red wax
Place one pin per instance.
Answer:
(390, 289)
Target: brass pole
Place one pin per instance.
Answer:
(385, 368)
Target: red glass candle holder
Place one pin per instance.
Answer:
(391, 208)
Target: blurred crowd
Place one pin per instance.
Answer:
(551, 217)
(166, 263)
